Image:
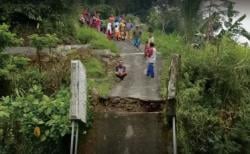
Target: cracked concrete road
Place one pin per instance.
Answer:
(137, 85)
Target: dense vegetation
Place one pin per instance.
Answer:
(214, 104)
(35, 92)
(213, 100)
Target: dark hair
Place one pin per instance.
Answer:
(152, 44)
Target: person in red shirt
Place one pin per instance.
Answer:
(98, 23)
(151, 59)
(93, 22)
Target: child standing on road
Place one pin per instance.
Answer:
(151, 59)
(137, 37)
(129, 27)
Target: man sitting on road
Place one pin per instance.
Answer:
(120, 71)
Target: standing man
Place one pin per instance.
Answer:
(151, 59)
(123, 29)
(109, 30)
(137, 37)
(129, 27)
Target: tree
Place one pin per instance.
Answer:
(8, 64)
(7, 38)
(190, 12)
(219, 20)
(52, 41)
(229, 26)
(41, 42)
(164, 15)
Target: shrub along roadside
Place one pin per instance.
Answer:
(214, 100)
(213, 89)
(96, 39)
(34, 111)
(35, 117)
(35, 114)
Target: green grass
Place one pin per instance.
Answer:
(98, 78)
(95, 68)
(96, 39)
(103, 86)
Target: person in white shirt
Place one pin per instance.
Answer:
(151, 60)
(109, 30)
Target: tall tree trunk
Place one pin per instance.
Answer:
(163, 26)
(39, 58)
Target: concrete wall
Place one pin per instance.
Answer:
(125, 133)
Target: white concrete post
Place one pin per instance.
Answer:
(78, 106)
(78, 103)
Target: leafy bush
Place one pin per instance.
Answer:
(7, 38)
(12, 70)
(214, 87)
(213, 95)
(37, 113)
(40, 42)
(95, 39)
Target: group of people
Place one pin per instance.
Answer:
(118, 28)
(91, 19)
(150, 56)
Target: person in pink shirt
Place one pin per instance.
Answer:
(98, 23)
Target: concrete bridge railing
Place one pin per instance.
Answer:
(174, 71)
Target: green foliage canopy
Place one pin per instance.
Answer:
(7, 38)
